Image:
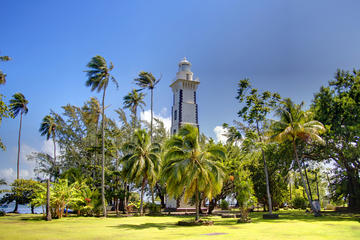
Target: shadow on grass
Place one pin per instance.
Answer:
(306, 217)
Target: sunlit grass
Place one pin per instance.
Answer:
(290, 225)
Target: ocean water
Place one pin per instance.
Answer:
(21, 208)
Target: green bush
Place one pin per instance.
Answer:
(153, 208)
(299, 202)
(224, 205)
(2, 213)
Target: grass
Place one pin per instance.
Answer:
(291, 225)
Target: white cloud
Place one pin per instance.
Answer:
(219, 132)
(9, 174)
(48, 148)
(146, 116)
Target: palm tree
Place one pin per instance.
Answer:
(133, 100)
(18, 104)
(190, 169)
(142, 164)
(48, 129)
(3, 75)
(296, 125)
(98, 79)
(147, 80)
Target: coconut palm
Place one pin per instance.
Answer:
(296, 125)
(133, 100)
(18, 104)
(191, 169)
(3, 75)
(48, 129)
(142, 164)
(147, 80)
(98, 79)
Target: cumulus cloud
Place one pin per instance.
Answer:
(9, 174)
(146, 116)
(48, 147)
(220, 134)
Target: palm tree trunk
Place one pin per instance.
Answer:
(266, 172)
(197, 217)
(308, 183)
(151, 123)
(18, 156)
(103, 155)
(54, 153)
(142, 197)
(317, 186)
(302, 178)
(48, 213)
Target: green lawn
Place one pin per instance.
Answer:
(291, 225)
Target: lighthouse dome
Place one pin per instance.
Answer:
(184, 65)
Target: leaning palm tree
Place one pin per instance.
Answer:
(190, 169)
(296, 125)
(48, 129)
(18, 104)
(133, 100)
(147, 80)
(98, 79)
(3, 75)
(142, 164)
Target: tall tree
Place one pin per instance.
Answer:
(48, 129)
(254, 111)
(18, 104)
(133, 100)
(3, 75)
(295, 125)
(98, 79)
(337, 106)
(142, 164)
(147, 80)
(190, 168)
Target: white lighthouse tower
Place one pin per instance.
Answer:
(185, 108)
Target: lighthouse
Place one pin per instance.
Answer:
(184, 108)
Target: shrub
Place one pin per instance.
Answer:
(224, 205)
(153, 208)
(299, 202)
(330, 207)
(2, 213)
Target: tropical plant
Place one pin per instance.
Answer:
(3, 75)
(296, 125)
(147, 80)
(18, 104)
(142, 164)
(133, 100)
(254, 111)
(48, 129)
(98, 79)
(191, 169)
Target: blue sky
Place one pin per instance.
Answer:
(289, 46)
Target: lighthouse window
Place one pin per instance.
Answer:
(187, 76)
(175, 115)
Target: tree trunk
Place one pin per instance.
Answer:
(308, 183)
(142, 196)
(16, 207)
(125, 198)
(48, 212)
(303, 180)
(151, 122)
(32, 209)
(103, 155)
(317, 186)
(266, 172)
(152, 195)
(54, 164)
(18, 156)
(354, 189)
(212, 205)
(197, 217)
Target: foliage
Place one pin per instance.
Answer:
(3, 75)
(224, 205)
(4, 113)
(142, 164)
(338, 107)
(22, 191)
(299, 202)
(191, 169)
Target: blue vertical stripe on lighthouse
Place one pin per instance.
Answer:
(180, 107)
